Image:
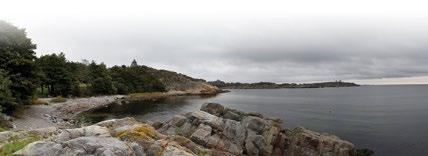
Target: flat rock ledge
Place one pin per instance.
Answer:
(214, 130)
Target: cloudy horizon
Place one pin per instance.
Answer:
(365, 42)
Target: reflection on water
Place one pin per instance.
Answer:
(150, 110)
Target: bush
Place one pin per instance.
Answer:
(37, 101)
(7, 102)
(135, 79)
(16, 144)
(58, 99)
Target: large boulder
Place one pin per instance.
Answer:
(201, 117)
(213, 108)
(303, 142)
(255, 124)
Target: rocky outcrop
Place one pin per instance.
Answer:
(119, 137)
(214, 130)
(233, 132)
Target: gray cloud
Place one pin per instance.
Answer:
(249, 50)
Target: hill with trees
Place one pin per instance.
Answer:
(24, 77)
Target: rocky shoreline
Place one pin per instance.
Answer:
(64, 114)
(214, 130)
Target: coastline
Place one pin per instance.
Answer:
(63, 114)
(213, 130)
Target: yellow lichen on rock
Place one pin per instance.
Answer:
(140, 131)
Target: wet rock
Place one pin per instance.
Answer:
(254, 123)
(255, 114)
(232, 115)
(304, 142)
(363, 152)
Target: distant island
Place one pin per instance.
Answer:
(271, 85)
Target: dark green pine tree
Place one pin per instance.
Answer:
(55, 74)
(17, 60)
(6, 100)
(100, 79)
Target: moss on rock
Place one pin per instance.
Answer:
(16, 143)
(139, 131)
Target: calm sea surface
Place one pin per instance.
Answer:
(391, 120)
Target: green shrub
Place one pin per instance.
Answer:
(37, 101)
(7, 102)
(58, 99)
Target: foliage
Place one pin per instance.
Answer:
(5, 125)
(151, 94)
(37, 101)
(100, 80)
(14, 145)
(55, 74)
(6, 100)
(135, 79)
(17, 60)
(22, 74)
(80, 78)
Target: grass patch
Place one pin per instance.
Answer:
(16, 144)
(37, 101)
(4, 125)
(148, 94)
(58, 99)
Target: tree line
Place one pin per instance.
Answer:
(23, 76)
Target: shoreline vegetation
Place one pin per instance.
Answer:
(24, 77)
(46, 94)
(271, 85)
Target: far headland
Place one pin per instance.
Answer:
(272, 85)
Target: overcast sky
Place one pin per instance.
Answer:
(365, 41)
